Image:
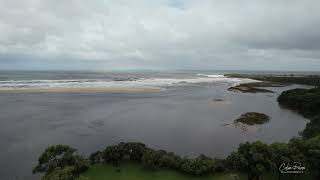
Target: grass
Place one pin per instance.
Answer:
(131, 171)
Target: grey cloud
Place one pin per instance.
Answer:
(160, 34)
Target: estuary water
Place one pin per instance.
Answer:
(192, 114)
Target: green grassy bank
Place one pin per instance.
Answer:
(130, 171)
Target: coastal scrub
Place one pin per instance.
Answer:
(252, 118)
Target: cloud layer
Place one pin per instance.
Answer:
(160, 34)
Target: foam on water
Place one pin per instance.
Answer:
(122, 83)
(212, 75)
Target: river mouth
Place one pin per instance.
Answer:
(188, 120)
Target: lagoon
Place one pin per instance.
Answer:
(195, 118)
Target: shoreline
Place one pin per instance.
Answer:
(82, 90)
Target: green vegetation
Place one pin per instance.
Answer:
(306, 102)
(312, 80)
(313, 128)
(130, 171)
(252, 118)
(133, 171)
(60, 162)
(156, 159)
(255, 159)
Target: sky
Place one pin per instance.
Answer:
(160, 34)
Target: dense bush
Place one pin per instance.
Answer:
(257, 158)
(66, 173)
(254, 158)
(161, 159)
(60, 162)
(60, 174)
(306, 102)
(123, 151)
(198, 166)
(155, 159)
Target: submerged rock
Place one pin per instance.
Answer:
(218, 100)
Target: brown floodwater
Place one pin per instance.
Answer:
(189, 120)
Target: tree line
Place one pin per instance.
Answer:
(60, 162)
(307, 103)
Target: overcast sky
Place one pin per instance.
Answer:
(160, 34)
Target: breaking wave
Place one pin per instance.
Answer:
(118, 83)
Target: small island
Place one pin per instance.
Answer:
(252, 118)
(253, 87)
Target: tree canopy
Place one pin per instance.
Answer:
(60, 162)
